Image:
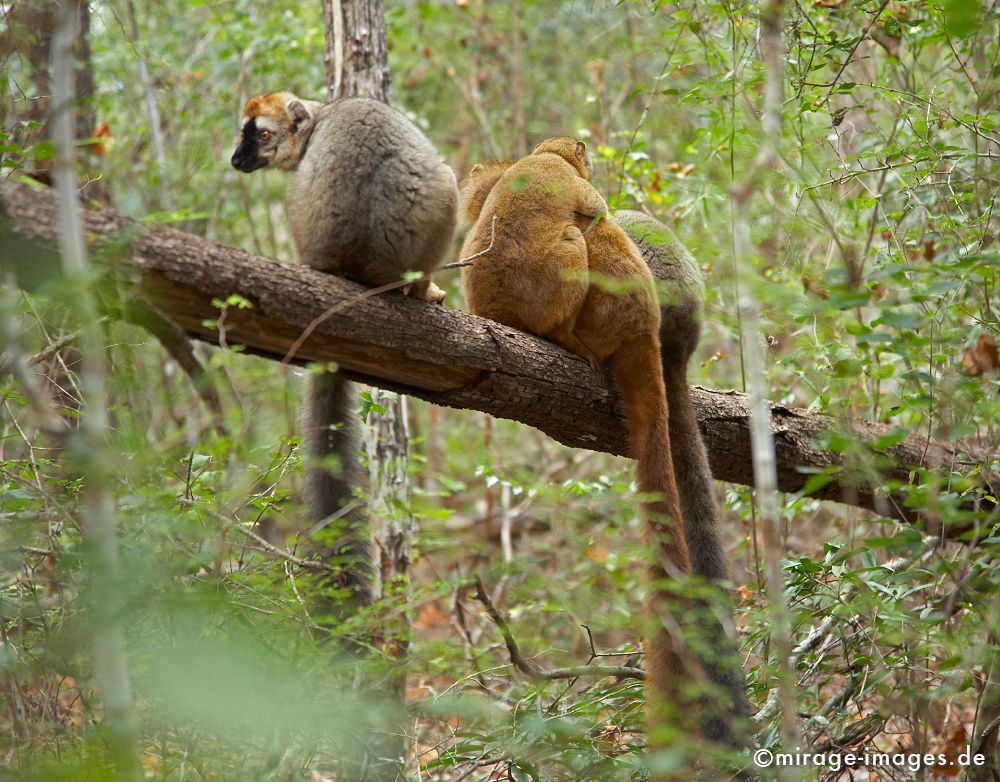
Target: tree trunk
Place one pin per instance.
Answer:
(364, 71)
(31, 126)
(357, 52)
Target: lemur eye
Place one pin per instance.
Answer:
(264, 135)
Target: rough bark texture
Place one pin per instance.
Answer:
(449, 357)
(365, 50)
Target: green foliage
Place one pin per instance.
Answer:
(877, 266)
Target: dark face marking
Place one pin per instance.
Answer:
(246, 157)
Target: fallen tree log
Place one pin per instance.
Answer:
(451, 358)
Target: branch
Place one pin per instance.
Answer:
(451, 358)
(263, 543)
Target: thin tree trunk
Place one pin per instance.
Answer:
(97, 512)
(357, 60)
(30, 123)
(149, 95)
(364, 49)
(387, 445)
(365, 72)
(762, 446)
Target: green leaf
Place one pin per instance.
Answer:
(889, 439)
(960, 17)
(848, 367)
(816, 482)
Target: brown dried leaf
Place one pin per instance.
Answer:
(983, 357)
(815, 289)
(955, 742)
(608, 739)
(888, 42)
(598, 554)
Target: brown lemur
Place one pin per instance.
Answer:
(371, 199)
(526, 191)
(536, 277)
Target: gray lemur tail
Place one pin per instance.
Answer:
(332, 446)
(726, 717)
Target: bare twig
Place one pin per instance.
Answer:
(13, 360)
(50, 350)
(811, 641)
(179, 348)
(532, 669)
(149, 94)
(230, 523)
(468, 261)
(333, 52)
(855, 734)
(761, 436)
(936, 107)
(842, 696)
(309, 564)
(985, 735)
(850, 54)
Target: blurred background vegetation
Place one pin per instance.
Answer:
(877, 268)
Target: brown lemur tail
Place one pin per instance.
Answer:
(639, 377)
(667, 445)
(332, 444)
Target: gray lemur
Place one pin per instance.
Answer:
(369, 198)
(727, 718)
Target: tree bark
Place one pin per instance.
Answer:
(358, 62)
(454, 359)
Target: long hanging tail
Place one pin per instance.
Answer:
(668, 666)
(332, 443)
(725, 718)
(640, 378)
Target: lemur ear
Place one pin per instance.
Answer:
(584, 158)
(297, 112)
